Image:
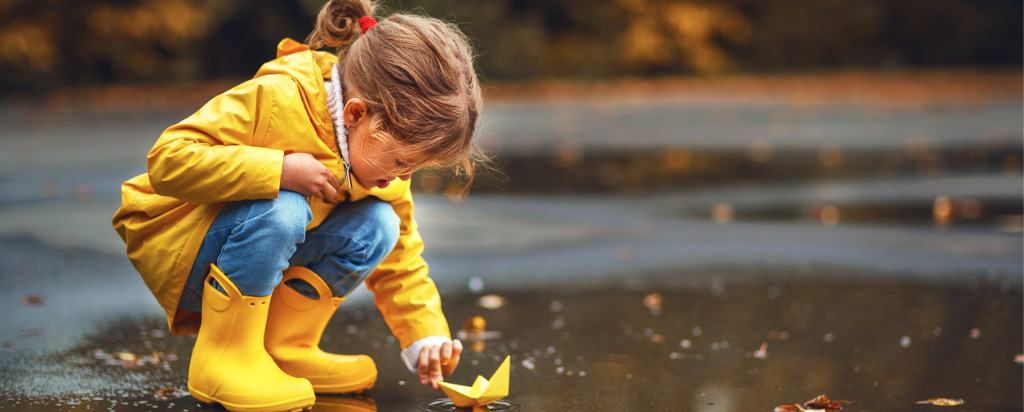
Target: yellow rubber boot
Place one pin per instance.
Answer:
(229, 364)
(294, 328)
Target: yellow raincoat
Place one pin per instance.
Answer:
(233, 149)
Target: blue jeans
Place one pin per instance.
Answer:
(253, 241)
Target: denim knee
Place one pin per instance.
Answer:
(251, 241)
(349, 244)
(286, 217)
(266, 233)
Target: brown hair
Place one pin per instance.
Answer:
(416, 76)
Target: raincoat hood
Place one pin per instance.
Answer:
(308, 69)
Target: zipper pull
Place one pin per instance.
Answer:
(348, 175)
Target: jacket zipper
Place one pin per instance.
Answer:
(348, 174)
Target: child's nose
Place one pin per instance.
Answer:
(405, 176)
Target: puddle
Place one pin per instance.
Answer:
(1001, 214)
(445, 405)
(717, 346)
(633, 170)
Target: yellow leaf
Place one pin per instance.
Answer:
(942, 402)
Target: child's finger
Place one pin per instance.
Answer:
(453, 361)
(329, 191)
(334, 183)
(446, 352)
(456, 351)
(423, 367)
(435, 366)
(429, 366)
(328, 183)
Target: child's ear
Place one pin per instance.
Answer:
(354, 111)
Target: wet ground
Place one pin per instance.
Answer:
(790, 335)
(727, 256)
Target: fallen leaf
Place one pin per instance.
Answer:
(763, 352)
(167, 394)
(130, 360)
(941, 402)
(821, 403)
(126, 356)
(653, 299)
(475, 324)
(653, 303)
(34, 299)
(474, 331)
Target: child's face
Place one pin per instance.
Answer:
(375, 163)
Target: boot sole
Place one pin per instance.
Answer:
(290, 406)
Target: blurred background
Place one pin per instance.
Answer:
(753, 202)
(49, 43)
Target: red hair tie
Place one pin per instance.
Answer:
(367, 23)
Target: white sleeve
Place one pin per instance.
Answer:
(411, 355)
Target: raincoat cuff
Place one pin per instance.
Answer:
(411, 355)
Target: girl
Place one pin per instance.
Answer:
(265, 208)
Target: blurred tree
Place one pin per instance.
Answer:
(53, 43)
(881, 33)
(247, 36)
(681, 35)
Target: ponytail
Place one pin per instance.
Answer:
(338, 23)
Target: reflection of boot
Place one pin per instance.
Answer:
(294, 328)
(229, 365)
(345, 403)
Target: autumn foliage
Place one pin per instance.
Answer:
(46, 43)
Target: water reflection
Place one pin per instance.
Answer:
(597, 169)
(446, 405)
(884, 346)
(345, 403)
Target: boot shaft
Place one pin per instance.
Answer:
(222, 311)
(296, 323)
(229, 363)
(296, 319)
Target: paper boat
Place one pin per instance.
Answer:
(482, 392)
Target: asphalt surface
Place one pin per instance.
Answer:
(843, 277)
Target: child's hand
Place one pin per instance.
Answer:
(438, 361)
(304, 174)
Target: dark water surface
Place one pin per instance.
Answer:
(745, 346)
